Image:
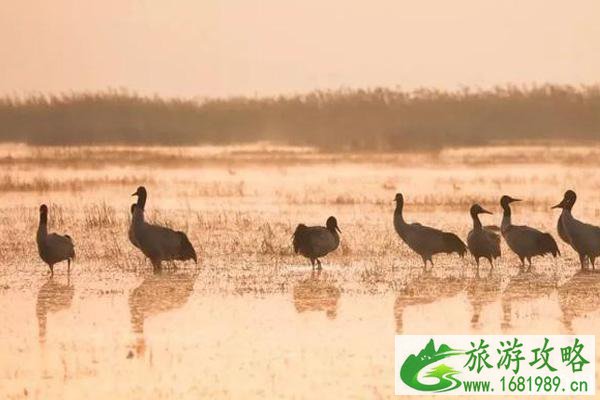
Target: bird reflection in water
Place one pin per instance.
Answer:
(158, 293)
(316, 293)
(425, 290)
(579, 297)
(480, 292)
(524, 288)
(52, 297)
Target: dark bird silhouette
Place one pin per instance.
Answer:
(583, 238)
(482, 242)
(53, 248)
(424, 240)
(158, 243)
(524, 241)
(314, 242)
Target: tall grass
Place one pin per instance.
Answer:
(373, 119)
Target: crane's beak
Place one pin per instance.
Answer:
(513, 200)
(559, 205)
(337, 228)
(484, 211)
(134, 194)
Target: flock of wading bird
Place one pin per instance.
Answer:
(160, 244)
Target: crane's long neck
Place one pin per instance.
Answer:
(506, 217)
(138, 216)
(566, 210)
(476, 222)
(566, 214)
(398, 216)
(141, 201)
(399, 223)
(43, 226)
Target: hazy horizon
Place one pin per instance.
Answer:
(268, 47)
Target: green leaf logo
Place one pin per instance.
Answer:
(412, 366)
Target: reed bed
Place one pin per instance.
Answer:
(389, 119)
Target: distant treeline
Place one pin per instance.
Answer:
(376, 119)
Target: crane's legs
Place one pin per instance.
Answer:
(425, 259)
(156, 266)
(582, 261)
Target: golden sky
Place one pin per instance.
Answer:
(262, 47)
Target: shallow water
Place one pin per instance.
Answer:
(251, 320)
(172, 335)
